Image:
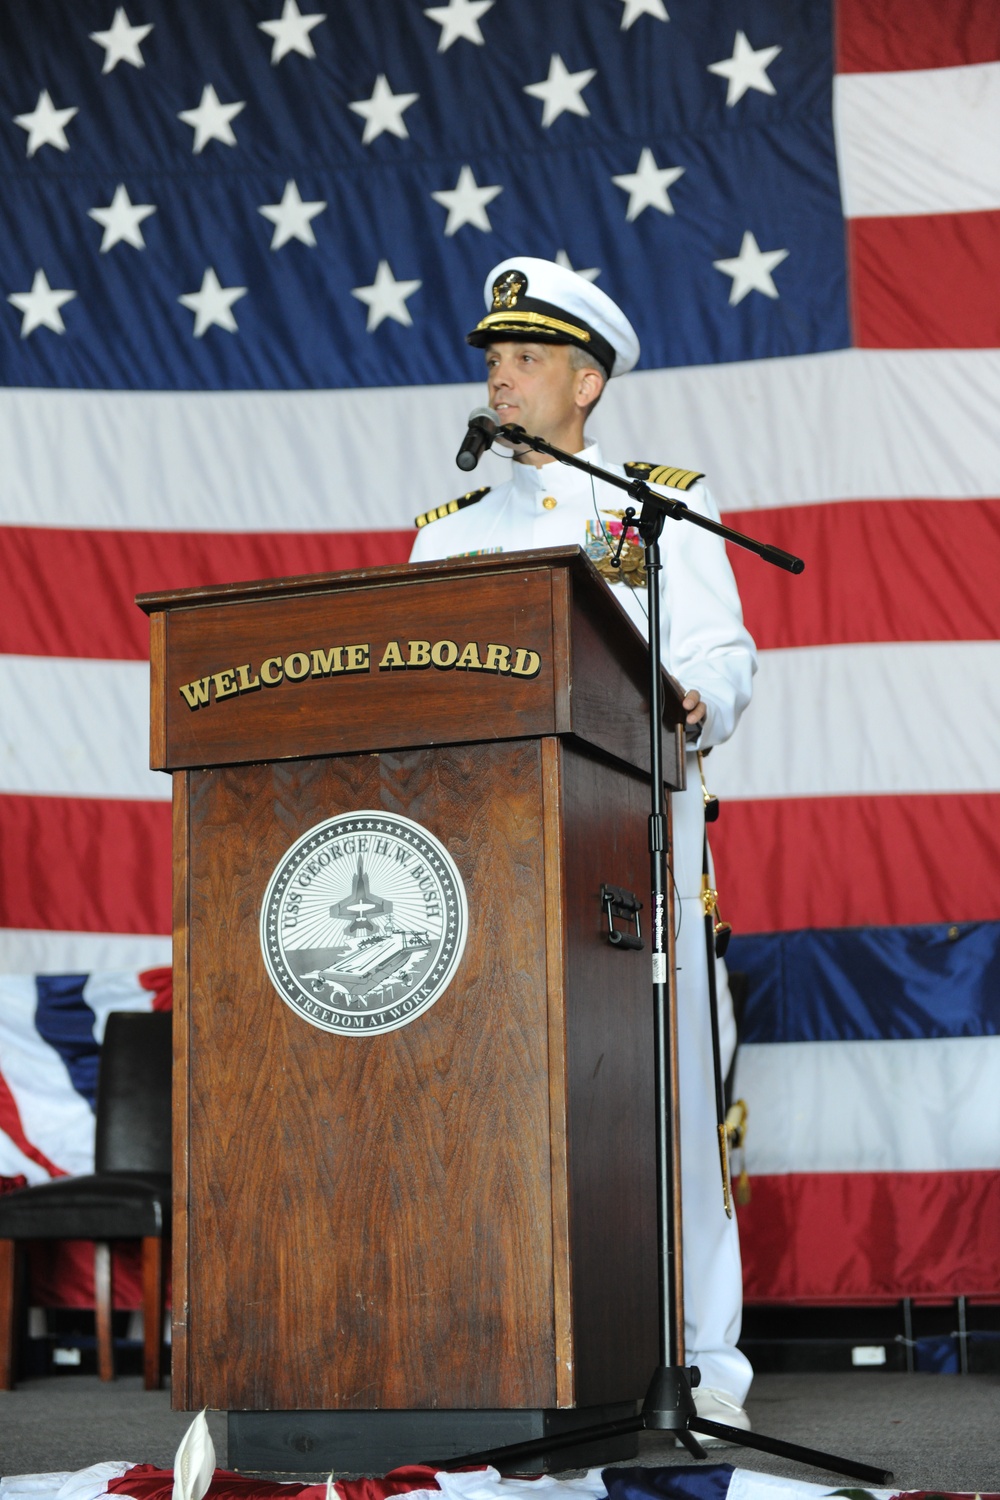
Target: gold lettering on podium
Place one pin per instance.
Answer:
(330, 661)
(444, 653)
(497, 658)
(469, 659)
(526, 663)
(197, 693)
(392, 658)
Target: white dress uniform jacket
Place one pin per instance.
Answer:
(705, 646)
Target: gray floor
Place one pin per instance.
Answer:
(933, 1431)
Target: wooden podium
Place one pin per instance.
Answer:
(449, 1224)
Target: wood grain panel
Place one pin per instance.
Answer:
(371, 1218)
(555, 906)
(562, 651)
(609, 1031)
(610, 675)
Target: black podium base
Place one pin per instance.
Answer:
(312, 1443)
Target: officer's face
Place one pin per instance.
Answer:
(535, 386)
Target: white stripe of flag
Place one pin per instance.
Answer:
(871, 1106)
(922, 142)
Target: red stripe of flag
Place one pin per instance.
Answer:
(160, 983)
(71, 592)
(784, 864)
(876, 570)
(896, 35)
(85, 864)
(829, 1237)
(926, 282)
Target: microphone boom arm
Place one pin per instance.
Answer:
(510, 433)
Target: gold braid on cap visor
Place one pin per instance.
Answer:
(523, 322)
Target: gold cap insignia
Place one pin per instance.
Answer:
(507, 289)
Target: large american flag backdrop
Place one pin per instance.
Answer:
(241, 243)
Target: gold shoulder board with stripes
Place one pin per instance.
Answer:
(677, 479)
(470, 498)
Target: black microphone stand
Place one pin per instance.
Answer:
(668, 1405)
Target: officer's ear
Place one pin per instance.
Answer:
(589, 385)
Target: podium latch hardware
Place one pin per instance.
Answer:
(626, 907)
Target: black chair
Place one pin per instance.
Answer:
(127, 1197)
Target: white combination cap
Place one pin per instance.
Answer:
(539, 301)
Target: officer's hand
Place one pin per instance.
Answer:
(695, 711)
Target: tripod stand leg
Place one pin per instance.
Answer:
(813, 1456)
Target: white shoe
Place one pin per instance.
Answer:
(718, 1406)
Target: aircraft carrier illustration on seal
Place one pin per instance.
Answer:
(377, 958)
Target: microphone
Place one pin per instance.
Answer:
(483, 424)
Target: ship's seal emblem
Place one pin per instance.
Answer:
(363, 923)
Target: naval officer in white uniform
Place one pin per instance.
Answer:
(551, 341)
